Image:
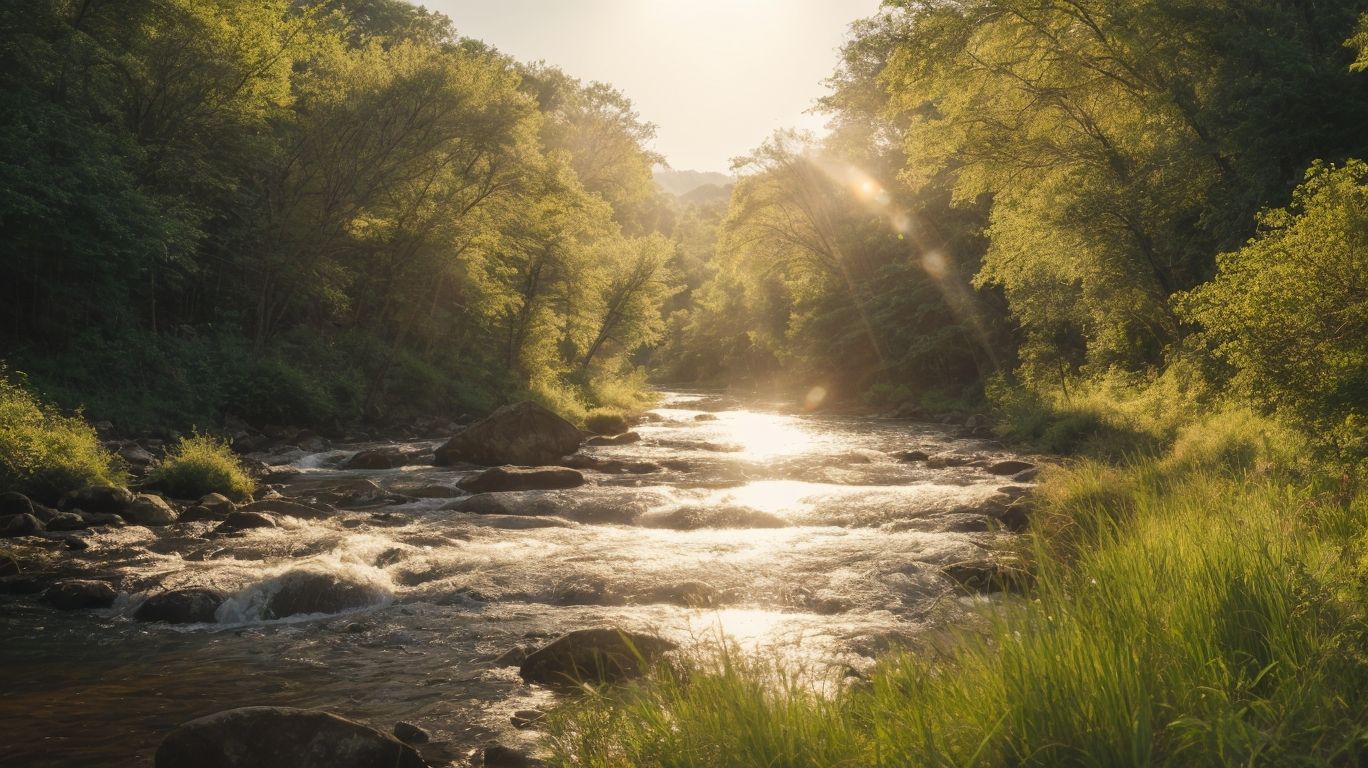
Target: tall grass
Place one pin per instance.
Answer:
(44, 453)
(1201, 607)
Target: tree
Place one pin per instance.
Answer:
(1289, 311)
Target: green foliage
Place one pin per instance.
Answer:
(44, 453)
(310, 211)
(1200, 615)
(199, 465)
(1289, 311)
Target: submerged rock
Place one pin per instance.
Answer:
(522, 433)
(282, 737)
(75, 594)
(523, 479)
(193, 605)
(601, 655)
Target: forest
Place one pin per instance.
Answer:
(1126, 237)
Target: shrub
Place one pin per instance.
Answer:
(199, 465)
(43, 453)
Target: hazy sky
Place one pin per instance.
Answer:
(715, 76)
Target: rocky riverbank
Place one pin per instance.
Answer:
(518, 554)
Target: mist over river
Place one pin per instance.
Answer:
(806, 535)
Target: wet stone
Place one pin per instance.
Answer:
(242, 521)
(602, 655)
(523, 479)
(181, 606)
(410, 734)
(77, 594)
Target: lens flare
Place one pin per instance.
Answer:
(814, 398)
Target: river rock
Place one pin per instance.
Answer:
(626, 438)
(377, 458)
(282, 737)
(242, 521)
(13, 526)
(301, 592)
(943, 460)
(432, 491)
(66, 521)
(200, 514)
(1009, 467)
(1026, 475)
(14, 503)
(523, 479)
(217, 503)
(913, 455)
(602, 655)
(147, 509)
(522, 433)
(103, 518)
(193, 605)
(705, 417)
(136, 455)
(98, 499)
(74, 594)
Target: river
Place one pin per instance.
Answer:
(804, 535)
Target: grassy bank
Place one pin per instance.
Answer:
(1198, 602)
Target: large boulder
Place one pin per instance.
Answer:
(147, 509)
(523, 479)
(193, 605)
(74, 594)
(522, 433)
(99, 499)
(282, 737)
(601, 655)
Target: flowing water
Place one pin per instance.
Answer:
(803, 535)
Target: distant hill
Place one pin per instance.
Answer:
(680, 183)
(708, 193)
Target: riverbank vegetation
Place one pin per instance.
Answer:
(1139, 230)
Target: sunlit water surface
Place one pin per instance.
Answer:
(806, 538)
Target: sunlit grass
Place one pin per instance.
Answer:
(1200, 608)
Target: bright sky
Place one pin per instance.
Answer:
(715, 76)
